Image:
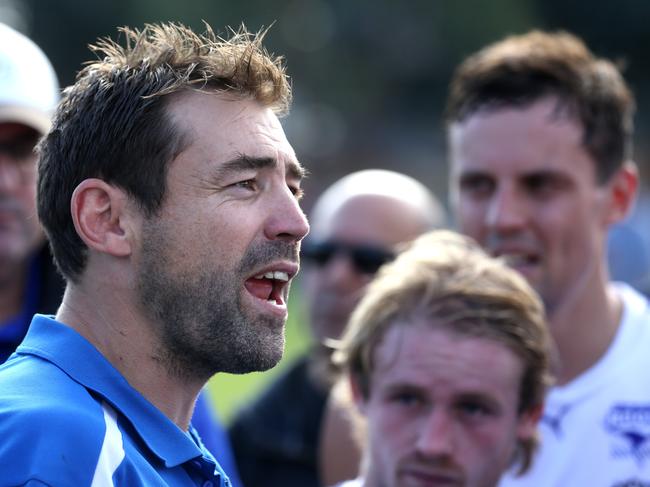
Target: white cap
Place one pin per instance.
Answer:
(29, 90)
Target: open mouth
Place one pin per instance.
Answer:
(269, 286)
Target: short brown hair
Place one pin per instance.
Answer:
(113, 124)
(520, 70)
(448, 280)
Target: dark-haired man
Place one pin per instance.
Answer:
(169, 193)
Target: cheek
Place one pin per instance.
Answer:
(204, 242)
(573, 233)
(227, 233)
(494, 444)
(470, 218)
(394, 430)
(27, 196)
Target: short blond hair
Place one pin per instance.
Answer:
(447, 279)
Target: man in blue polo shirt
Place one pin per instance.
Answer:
(169, 194)
(29, 281)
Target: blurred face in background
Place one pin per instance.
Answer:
(524, 186)
(20, 231)
(343, 254)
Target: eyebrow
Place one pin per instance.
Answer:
(544, 173)
(472, 175)
(533, 173)
(479, 396)
(404, 386)
(294, 169)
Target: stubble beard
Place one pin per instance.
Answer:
(199, 318)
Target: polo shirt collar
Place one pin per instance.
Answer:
(54, 341)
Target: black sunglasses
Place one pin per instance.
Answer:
(367, 259)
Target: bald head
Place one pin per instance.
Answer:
(391, 187)
(356, 224)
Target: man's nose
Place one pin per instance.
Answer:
(506, 211)
(436, 437)
(287, 221)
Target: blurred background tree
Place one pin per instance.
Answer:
(370, 76)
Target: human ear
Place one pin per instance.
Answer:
(100, 217)
(528, 421)
(621, 193)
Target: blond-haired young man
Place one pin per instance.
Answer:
(447, 356)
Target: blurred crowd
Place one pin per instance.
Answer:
(150, 227)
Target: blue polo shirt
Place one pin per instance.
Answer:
(69, 418)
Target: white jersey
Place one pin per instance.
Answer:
(596, 429)
(350, 483)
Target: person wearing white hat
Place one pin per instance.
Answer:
(29, 92)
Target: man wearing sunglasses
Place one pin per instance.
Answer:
(29, 283)
(355, 226)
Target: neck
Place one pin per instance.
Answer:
(584, 325)
(111, 322)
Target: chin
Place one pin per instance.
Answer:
(259, 353)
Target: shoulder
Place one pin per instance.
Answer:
(633, 335)
(635, 304)
(51, 427)
(29, 381)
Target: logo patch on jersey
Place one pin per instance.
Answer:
(630, 424)
(553, 418)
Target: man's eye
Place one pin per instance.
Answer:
(249, 184)
(477, 185)
(474, 410)
(406, 399)
(542, 185)
(297, 191)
